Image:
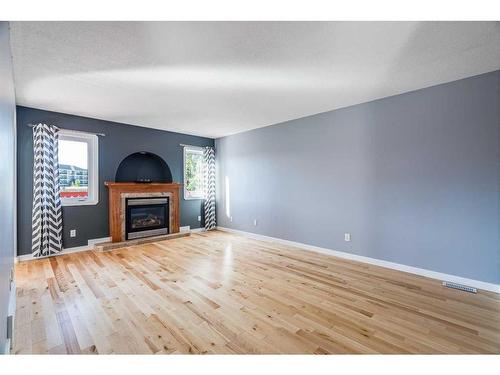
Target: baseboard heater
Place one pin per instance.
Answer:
(464, 288)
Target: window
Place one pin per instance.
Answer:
(193, 173)
(78, 168)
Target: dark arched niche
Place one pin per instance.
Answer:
(143, 167)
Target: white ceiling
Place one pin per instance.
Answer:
(220, 78)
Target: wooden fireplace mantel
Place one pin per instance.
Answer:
(117, 190)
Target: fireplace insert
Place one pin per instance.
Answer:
(145, 217)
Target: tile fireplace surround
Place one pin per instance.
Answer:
(119, 191)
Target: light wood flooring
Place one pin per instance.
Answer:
(223, 293)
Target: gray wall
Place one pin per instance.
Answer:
(120, 141)
(415, 178)
(7, 169)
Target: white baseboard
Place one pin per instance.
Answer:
(69, 250)
(187, 228)
(90, 245)
(197, 230)
(92, 242)
(378, 262)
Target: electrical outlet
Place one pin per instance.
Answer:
(254, 222)
(347, 237)
(199, 218)
(231, 219)
(72, 233)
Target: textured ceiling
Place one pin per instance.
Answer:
(220, 78)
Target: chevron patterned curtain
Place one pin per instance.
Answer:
(209, 186)
(46, 215)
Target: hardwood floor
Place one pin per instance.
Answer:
(223, 293)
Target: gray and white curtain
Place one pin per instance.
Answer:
(47, 217)
(209, 185)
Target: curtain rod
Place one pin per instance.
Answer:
(78, 131)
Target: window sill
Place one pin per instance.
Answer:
(79, 203)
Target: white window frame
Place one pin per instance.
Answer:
(93, 166)
(198, 150)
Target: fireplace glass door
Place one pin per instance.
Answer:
(146, 217)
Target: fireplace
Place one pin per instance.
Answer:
(145, 217)
(125, 195)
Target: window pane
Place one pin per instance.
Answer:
(193, 178)
(73, 169)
